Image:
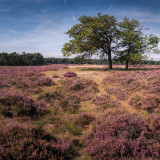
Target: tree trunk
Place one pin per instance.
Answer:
(109, 61)
(127, 62)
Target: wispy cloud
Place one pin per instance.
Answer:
(47, 38)
(5, 10)
(110, 7)
(11, 31)
(73, 16)
(65, 2)
(43, 10)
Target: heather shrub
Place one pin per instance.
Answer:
(135, 101)
(3, 84)
(83, 119)
(128, 81)
(34, 90)
(55, 76)
(118, 92)
(154, 124)
(20, 141)
(58, 98)
(44, 81)
(148, 103)
(22, 105)
(70, 74)
(105, 101)
(81, 87)
(122, 136)
(152, 86)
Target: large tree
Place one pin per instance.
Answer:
(93, 36)
(134, 44)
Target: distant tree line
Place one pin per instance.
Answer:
(25, 59)
(53, 60)
(32, 59)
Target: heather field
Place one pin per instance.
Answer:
(80, 112)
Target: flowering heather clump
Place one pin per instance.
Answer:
(118, 92)
(20, 141)
(128, 81)
(26, 77)
(152, 87)
(135, 101)
(122, 136)
(3, 84)
(105, 101)
(83, 119)
(148, 103)
(81, 87)
(44, 81)
(34, 90)
(154, 124)
(22, 105)
(68, 102)
(70, 74)
(55, 76)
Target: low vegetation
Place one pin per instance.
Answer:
(90, 113)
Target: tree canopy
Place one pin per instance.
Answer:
(134, 43)
(93, 36)
(25, 59)
(103, 36)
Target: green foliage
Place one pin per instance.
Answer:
(25, 59)
(133, 43)
(92, 36)
(72, 129)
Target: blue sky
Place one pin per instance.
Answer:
(40, 25)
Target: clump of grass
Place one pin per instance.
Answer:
(59, 99)
(72, 129)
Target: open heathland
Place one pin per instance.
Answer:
(80, 112)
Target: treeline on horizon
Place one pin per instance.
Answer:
(33, 59)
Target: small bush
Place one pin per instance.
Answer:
(105, 101)
(148, 103)
(20, 141)
(135, 101)
(44, 81)
(154, 124)
(81, 87)
(70, 74)
(22, 105)
(118, 92)
(58, 98)
(123, 136)
(55, 76)
(83, 119)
